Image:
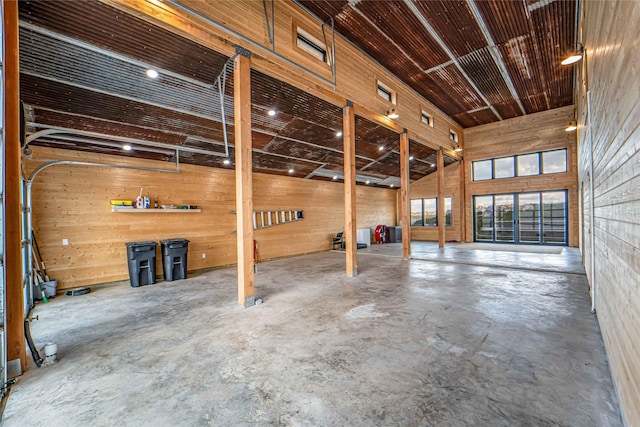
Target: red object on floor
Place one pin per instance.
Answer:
(382, 234)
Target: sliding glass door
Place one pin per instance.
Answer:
(521, 218)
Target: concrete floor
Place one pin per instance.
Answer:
(445, 343)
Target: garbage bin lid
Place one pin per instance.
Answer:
(169, 241)
(137, 244)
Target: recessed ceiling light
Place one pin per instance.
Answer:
(335, 177)
(291, 170)
(411, 158)
(381, 148)
(367, 182)
(339, 134)
(226, 161)
(391, 186)
(271, 113)
(127, 147)
(152, 74)
(431, 165)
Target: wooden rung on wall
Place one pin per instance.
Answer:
(264, 219)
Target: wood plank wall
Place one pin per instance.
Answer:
(72, 202)
(531, 133)
(611, 31)
(356, 73)
(427, 188)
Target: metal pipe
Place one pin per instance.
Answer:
(222, 83)
(29, 242)
(106, 144)
(57, 130)
(50, 163)
(592, 210)
(26, 249)
(220, 26)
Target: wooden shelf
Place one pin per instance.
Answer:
(155, 210)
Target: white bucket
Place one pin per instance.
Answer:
(50, 352)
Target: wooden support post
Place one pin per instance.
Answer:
(441, 214)
(13, 255)
(349, 139)
(244, 178)
(462, 201)
(404, 195)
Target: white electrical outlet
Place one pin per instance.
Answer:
(204, 256)
(65, 242)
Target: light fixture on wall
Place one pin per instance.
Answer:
(392, 113)
(571, 127)
(574, 57)
(457, 148)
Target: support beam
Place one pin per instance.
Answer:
(404, 195)
(244, 178)
(349, 139)
(440, 178)
(462, 202)
(13, 255)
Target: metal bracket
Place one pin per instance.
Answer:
(25, 243)
(349, 103)
(249, 302)
(243, 51)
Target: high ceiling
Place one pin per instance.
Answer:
(479, 61)
(83, 67)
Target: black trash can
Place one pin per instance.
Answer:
(174, 259)
(141, 257)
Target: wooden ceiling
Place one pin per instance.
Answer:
(83, 67)
(479, 61)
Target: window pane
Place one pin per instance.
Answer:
(504, 217)
(430, 212)
(482, 170)
(416, 212)
(484, 217)
(503, 167)
(529, 217)
(554, 161)
(553, 217)
(447, 212)
(528, 165)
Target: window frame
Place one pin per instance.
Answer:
(540, 157)
(423, 115)
(386, 89)
(314, 46)
(422, 213)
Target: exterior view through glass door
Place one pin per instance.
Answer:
(539, 218)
